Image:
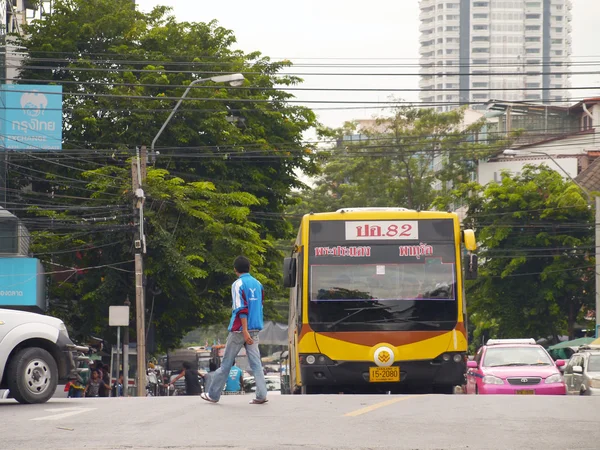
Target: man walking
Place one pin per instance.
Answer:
(246, 321)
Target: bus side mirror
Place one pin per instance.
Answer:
(289, 272)
(469, 240)
(470, 265)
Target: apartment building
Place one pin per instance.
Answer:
(14, 14)
(475, 50)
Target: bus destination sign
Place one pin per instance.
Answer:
(382, 230)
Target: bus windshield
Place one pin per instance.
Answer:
(430, 280)
(385, 285)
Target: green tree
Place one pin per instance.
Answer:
(536, 275)
(219, 186)
(406, 160)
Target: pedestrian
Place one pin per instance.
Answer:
(105, 388)
(246, 321)
(192, 383)
(118, 387)
(235, 380)
(93, 387)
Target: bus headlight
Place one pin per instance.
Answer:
(457, 358)
(316, 358)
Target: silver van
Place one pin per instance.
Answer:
(582, 373)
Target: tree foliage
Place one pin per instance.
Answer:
(536, 276)
(405, 160)
(218, 187)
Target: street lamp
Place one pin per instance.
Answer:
(234, 79)
(511, 152)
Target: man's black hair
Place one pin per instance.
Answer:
(187, 365)
(241, 264)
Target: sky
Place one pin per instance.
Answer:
(384, 32)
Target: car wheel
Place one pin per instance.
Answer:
(32, 375)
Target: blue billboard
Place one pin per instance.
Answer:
(22, 283)
(30, 117)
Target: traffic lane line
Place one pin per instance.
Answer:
(63, 413)
(368, 409)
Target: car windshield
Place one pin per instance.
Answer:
(594, 363)
(516, 356)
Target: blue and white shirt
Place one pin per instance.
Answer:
(247, 301)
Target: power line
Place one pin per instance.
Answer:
(266, 89)
(299, 74)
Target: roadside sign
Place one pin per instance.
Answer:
(118, 316)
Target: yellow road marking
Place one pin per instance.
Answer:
(367, 409)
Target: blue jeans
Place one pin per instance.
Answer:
(235, 342)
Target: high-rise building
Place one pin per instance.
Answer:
(476, 50)
(14, 14)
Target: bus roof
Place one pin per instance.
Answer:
(380, 213)
(372, 209)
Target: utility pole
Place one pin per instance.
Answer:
(138, 172)
(126, 355)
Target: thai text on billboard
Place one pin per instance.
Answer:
(30, 117)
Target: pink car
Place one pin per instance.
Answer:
(514, 366)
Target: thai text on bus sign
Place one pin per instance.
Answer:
(382, 230)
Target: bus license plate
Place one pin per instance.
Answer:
(384, 374)
(525, 392)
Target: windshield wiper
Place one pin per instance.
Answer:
(358, 310)
(509, 365)
(409, 320)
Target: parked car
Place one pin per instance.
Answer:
(582, 373)
(36, 353)
(514, 366)
(273, 384)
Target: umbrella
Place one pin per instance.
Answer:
(572, 344)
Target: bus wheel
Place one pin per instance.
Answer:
(308, 390)
(443, 389)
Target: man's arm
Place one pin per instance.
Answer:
(247, 336)
(177, 377)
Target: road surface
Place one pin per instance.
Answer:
(306, 423)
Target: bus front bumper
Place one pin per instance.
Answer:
(412, 373)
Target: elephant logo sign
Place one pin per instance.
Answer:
(34, 103)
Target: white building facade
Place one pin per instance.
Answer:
(571, 152)
(476, 50)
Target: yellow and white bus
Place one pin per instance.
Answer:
(377, 302)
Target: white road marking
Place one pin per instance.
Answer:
(62, 413)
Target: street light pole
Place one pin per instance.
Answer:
(235, 79)
(596, 205)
